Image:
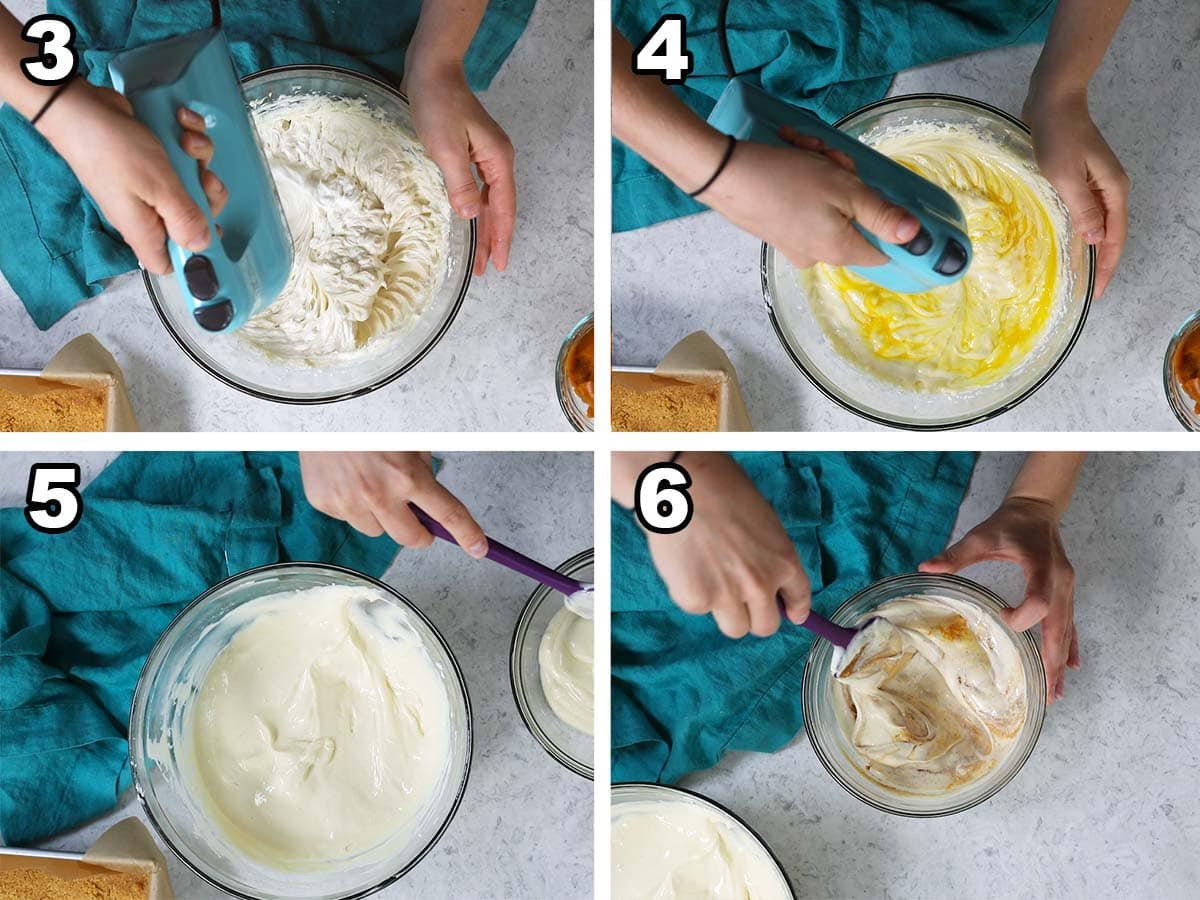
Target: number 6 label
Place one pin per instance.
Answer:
(661, 500)
(52, 503)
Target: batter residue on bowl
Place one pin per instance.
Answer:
(370, 224)
(979, 329)
(321, 730)
(932, 696)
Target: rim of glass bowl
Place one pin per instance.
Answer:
(516, 681)
(1176, 398)
(137, 713)
(568, 400)
(767, 272)
(924, 582)
(668, 789)
(433, 340)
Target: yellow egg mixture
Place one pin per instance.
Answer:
(975, 331)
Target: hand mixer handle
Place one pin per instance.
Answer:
(246, 266)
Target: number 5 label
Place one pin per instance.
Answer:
(661, 501)
(664, 51)
(52, 503)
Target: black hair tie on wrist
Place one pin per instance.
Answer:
(50, 100)
(720, 167)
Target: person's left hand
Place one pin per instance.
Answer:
(458, 133)
(1024, 530)
(1077, 161)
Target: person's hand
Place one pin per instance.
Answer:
(805, 201)
(458, 133)
(1077, 161)
(1024, 531)
(734, 556)
(126, 170)
(371, 491)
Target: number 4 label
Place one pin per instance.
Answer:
(664, 52)
(661, 501)
(52, 503)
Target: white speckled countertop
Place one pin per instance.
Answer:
(524, 829)
(702, 272)
(1109, 803)
(493, 371)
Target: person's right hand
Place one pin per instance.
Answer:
(804, 201)
(734, 556)
(125, 169)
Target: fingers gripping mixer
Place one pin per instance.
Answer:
(941, 251)
(247, 261)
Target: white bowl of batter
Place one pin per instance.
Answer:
(669, 843)
(938, 709)
(300, 731)
(550, 667)
(382, 263)
(959, 354)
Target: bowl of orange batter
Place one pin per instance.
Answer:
(962, 353)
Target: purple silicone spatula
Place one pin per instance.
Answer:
(840, 637)
(580, 594)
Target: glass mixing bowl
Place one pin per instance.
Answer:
(631, 792)
(573, 408)
(841, 759)
(572, 748)
(228, 358)
(158, 744)
(889, 404)
(1182, 405)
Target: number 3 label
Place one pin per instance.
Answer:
(56, 59)
(53, 504)
(662, 503)
(664, 52)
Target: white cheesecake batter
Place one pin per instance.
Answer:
(565, 663)
(662, 850)
(931, 697)
(370, 225)
(979, 329)
(321, 730)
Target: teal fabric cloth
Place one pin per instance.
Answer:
(682, 693)
(55, 248)
(831, 56)
(82, 609)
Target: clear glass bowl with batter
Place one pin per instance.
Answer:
(838, 755)
(878, 400)
(571, 747)
(158, 738)
(626, 794)
(228, 358)
(1181, 403)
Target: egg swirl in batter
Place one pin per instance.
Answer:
(977, 330)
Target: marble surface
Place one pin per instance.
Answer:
(702, 272)
(1109, 803)
(524, 828)
(494, 370)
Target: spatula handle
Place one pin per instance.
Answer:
(822, 627)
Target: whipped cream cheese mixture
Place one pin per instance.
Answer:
(565, 658)
(932, 696)
(321, 730)
(370, 225)
(662, 850)
(977, 330)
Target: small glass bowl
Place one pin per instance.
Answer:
(879, 401)
(630, 792)
(1182, 405)
(572, 406)
(839, 757)
(229, 359)
(158, 743)
(572, 748)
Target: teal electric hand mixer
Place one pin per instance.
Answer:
(940, 252)
(247, 263)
